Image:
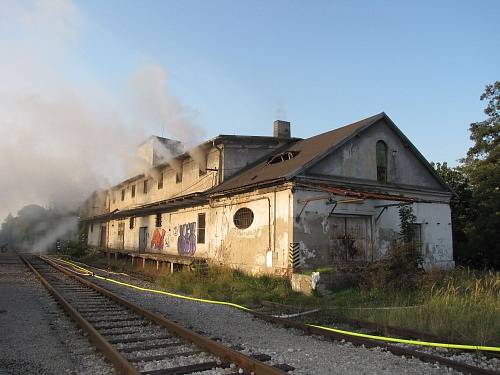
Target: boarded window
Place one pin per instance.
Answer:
(243, 218)
(123, 194)
(131, 223)
(133, 191)
(381, 162)
(145, 187)
(201, 228)
(158, 220)
(160, 181)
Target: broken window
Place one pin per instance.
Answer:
(381, 154)
(243, 218)
(131, 223)
(133, 191)
(158, 220)
(284, 156)
(123, 194)
(145, 187)
(160, 181)
(201, 228)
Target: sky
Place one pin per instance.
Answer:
(83, 82)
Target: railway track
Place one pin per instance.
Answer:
(135, 340)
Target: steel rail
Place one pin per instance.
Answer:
(397, 350)
(119, 362)
(227, 355)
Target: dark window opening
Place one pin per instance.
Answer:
(243, 218)
(91, 227)
(416, 236)
(202, 172)
(178, 177)
(133, 191)
(145, 187)
(201, 228)
(123, 194)
(381, 154)
(160, 181)
(158, 220)
(282, 157)
(131, 223)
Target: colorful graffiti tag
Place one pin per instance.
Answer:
(186, 243)
(157, 240)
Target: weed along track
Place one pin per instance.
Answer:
(134, 340)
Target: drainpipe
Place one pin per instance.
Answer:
(219, 173)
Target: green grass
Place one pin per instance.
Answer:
(462, 305)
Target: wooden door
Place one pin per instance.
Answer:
(102, 237)
(143, 240)
(349, 238)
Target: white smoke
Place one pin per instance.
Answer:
(62, 133)
(64, 227)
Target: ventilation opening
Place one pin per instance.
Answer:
(282, 157)
(243, 218)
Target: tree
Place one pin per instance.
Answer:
(482, 167)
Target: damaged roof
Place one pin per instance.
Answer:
(305, 151)
(302, 154)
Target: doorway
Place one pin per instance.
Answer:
(349, 238)
(143, 239)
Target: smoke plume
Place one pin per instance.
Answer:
(64, 133)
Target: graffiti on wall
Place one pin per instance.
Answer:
(157, 240)
(186, 242)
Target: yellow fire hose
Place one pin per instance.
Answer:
(350, 333)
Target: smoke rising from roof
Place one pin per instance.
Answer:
(62, 133)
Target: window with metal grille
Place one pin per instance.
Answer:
(243, 218)
(158, 220)
(160, 181)
(381, 154)
(133, 190)
(123, 194)
(201, 228)
(145, 187)
(131, 223)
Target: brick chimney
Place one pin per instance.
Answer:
(281, 129)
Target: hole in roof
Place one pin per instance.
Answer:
(284, 156)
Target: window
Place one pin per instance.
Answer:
(160, 181)
(243, 218)
(282, 157)
(178, 177)
(202, 172)
(201, 228)
(131, 223)
(416, 239)
(91, 227)
(381, 162)
(114, 197)
(123, 194)
(158, 220)
(133, 190)
(145, 187)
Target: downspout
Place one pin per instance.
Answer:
(219, 172)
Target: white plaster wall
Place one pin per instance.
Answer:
(311, 231)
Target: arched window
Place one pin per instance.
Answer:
(381, 162)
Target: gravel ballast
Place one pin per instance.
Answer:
(36, 337)
(308, 354)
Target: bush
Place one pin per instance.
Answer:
(400, 269)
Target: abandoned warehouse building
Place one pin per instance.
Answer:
(275, 205)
